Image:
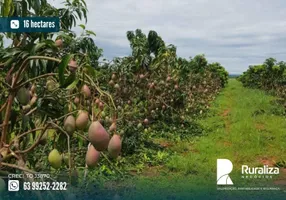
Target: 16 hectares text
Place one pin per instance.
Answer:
(38, 24)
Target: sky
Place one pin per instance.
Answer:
(235, 33)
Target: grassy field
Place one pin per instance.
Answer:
(241, 127)
(244, 126)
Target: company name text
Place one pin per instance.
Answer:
(259, 170)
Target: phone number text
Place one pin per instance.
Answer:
(45, 186)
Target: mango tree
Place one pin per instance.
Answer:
(41, 74)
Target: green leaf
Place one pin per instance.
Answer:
(84, 3)
(73, 85)
(37, 47)
(32, 125)
(69, 80)
(25, 122)
(84, 11)
(80, 143)
(24, 8)
(90, 70)
(43, 64)
(62, 66)
(8, 4)
(36, 6)
(79, 14)
(9, 62)
(82, 26)
(50, 66)
(62, 141)
(24, 55)
(30, 4)
(49, 42)
(90, 32)
(39, 102)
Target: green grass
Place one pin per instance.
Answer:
(235, 131)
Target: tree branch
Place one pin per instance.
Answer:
(13, 93)
(3, 107)
(35, 143)
(31, 111)
(17, 167)
(7, 118)
(26, 133)
(69, 150)
(35, 78)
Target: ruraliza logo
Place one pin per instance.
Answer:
(224, 167)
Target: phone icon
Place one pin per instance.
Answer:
(13, 185)
(14, 24)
